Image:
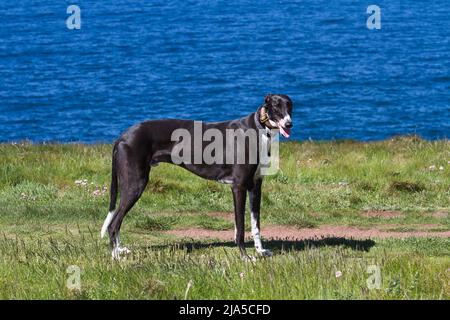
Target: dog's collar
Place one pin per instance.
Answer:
(262, 120)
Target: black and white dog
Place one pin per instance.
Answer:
(150, 142)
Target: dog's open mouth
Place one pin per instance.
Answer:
(284, 131)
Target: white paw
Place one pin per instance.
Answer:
(265, 252)
(118, 252)
(124, 250)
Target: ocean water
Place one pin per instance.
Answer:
(215, 60)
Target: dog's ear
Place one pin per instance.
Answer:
(268, 99)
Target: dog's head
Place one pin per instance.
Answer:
(279, 109)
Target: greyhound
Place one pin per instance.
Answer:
(150, 142)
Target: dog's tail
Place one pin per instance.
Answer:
(114, 181)
(113, 194)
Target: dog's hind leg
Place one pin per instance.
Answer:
(239, 197)
(255, 206)
(133, 178)
(128, 198)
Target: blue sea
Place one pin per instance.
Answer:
(216, 60)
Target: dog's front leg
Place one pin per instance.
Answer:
(239, 195)
(255, 205)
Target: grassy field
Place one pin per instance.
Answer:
(53, 200)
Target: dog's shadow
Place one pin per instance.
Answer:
(276, 245)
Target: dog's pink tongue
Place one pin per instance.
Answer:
(285, 132)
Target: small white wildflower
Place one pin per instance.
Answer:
(81, 182)
(338, 274)
(441, 168)
(432, 167)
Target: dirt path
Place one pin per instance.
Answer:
(286, 232)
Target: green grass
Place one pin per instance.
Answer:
(48, 222)
(159, 269)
